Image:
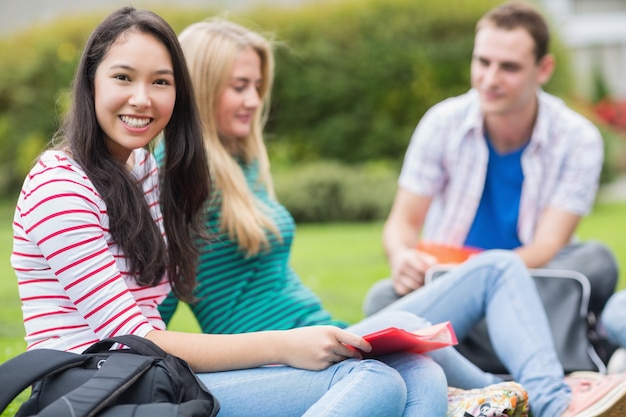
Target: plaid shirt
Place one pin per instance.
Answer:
(447, 160)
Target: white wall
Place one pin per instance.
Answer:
(595, 30)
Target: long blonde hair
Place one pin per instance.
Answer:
(210, 49)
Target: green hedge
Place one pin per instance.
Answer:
(324, 191)
(35, 76)
(353, 76)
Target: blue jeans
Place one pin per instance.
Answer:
(494, 285)
(396, 385)
(592, 259)
(614, 318)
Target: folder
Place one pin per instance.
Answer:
(393, 339)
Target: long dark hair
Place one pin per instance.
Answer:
(185, 175)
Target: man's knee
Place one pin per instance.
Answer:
(605, 261)
(597, 262)
(592, 259)
(614, 318)
(379, 296)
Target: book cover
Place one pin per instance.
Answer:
(447, 254)
(393, 339)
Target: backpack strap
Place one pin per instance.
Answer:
(191, 386)
(21, 371)
(139, 344)
(117, 374)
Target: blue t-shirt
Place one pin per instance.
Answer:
(495, 224)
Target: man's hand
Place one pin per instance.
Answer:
(408, 268)
(400, 237)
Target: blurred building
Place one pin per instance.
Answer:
(595, 30)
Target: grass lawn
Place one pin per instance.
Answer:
(338, 261)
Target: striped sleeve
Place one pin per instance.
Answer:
(71, 277)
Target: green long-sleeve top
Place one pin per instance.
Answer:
(238, 294)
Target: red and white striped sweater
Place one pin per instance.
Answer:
(73, 280)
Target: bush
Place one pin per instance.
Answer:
(605, 117)
(353, 76)
(35, 76)
(329, 191)
(614, 153)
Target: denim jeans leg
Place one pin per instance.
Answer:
(614, 318)
(379, 296)
(425, 380)
(496, 285)
(350, 388)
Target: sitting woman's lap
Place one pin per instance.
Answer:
(349, 388)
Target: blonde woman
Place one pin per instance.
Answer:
(245, 283)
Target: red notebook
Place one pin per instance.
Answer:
(393, 339)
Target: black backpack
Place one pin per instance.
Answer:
(141, 381)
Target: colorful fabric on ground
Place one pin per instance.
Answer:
(504, 399)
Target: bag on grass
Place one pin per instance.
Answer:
(140, 381)
(565, 297)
